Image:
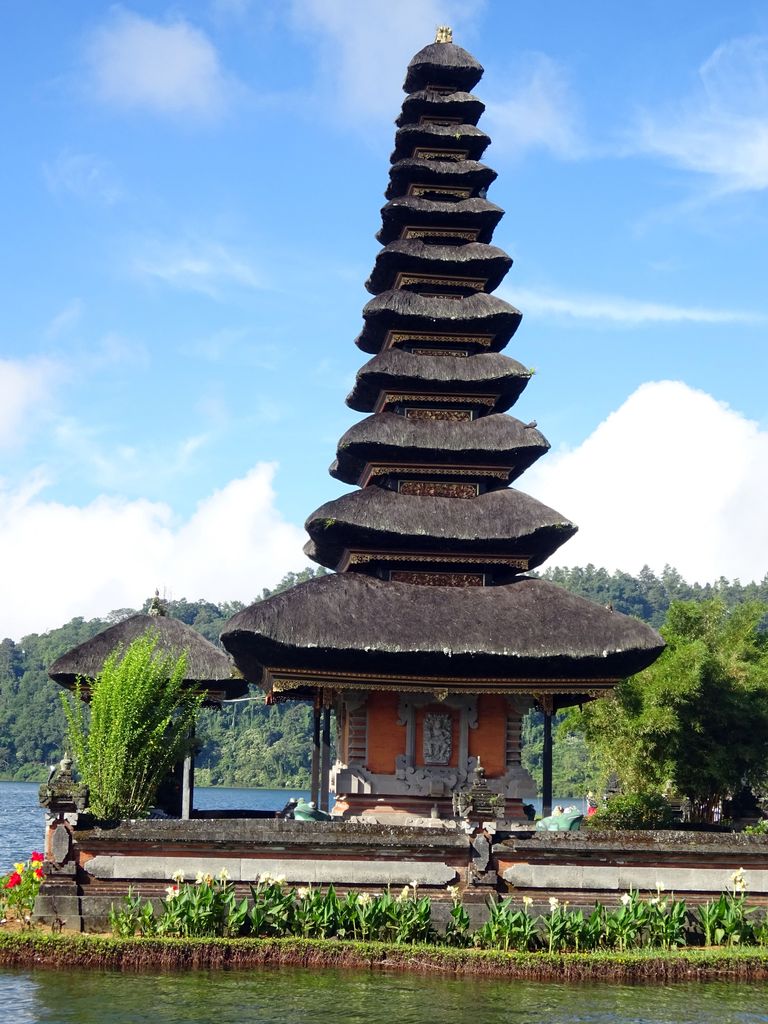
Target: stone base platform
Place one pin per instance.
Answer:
(100, 864)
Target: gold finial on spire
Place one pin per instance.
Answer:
(444, 34)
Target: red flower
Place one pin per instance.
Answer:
(38, 873)
(37, 857)
(13, 880)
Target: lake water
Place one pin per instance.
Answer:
(358, 997)
(291, 996)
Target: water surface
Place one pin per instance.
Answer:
(291, 996)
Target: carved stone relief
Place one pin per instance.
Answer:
(438, 738)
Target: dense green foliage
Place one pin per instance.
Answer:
(250, 744)
(211, 908)
(135, 727)
(696, 721)
(632, 811)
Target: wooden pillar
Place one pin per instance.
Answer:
(314, 792)
(546, 763)
(325, 761)
(188, 779)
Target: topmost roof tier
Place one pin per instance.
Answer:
(443, 64)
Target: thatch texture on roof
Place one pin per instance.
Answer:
(495, 440)
(408, 211)
(505, 522)
(528, 628)
(475, 259)
(404, 310)
(426, 103)
(207, 665)
(465, 174)
(465, 137)
(488, 373)
(442, 64)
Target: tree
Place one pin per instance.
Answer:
(135, 729)
(698, 717)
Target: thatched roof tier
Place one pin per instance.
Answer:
(208, 667)
(475, 217)
(443, 64)
(460, 175)
(403, 310)
(504, 522)
(395, 369)
(464, 139)
(475, 260)
(460, 107)
(495, 440)
(463, 638)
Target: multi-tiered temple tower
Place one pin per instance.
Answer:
(428, 640)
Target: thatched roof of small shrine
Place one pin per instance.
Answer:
(504, 522)
(403, 310)
(475, 259)
(426, 103)
(452, 173)
(495, 440)
(207, 665)
(440, 136)
(488, 373)
(527, 629)
(442, 64)
(409, 211)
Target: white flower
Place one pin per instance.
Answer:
(659, 886)
(414, 886)
(265, 878)
(280, 880)
(739, 880)
(527, 901)
(626, 899)
(453, 892)
(404, 894)
(653, 900)
(554, 902)
(178, 876)
(364, 898)
(199, 878)
(223, 875)
(171, 892)
(302, 892)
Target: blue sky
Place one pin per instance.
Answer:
(190, 194)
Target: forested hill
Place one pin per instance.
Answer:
(250, 744)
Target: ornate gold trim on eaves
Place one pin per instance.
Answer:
(404, 279)
(425, 153)
(394, 397)
(282, 679)
(365, 557)
(395, 468)
(417, 231)
(439, 337)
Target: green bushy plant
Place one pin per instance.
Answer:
(134, 729)
(632, 810)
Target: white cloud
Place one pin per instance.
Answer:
(721, 131)
(85, 176)
(538, 111)
(617, 309)
(365, 47)
(671, 477)
(25, 388)
(170, 68)
(198, 266)
(64, 319)
(112, 553)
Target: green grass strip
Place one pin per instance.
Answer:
(31, 949)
